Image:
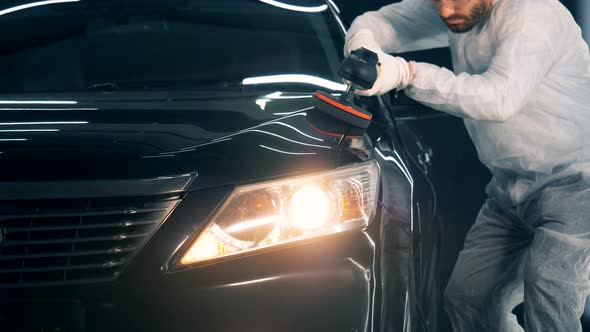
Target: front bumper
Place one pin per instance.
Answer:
(327, 284)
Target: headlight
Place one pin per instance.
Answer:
(264, 215)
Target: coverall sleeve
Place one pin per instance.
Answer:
(523, 57)
(409, 25)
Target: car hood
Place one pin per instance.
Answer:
(221, 138)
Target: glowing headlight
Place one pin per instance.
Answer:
(268, 214)
(310, 208)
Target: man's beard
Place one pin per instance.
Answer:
(468, 21)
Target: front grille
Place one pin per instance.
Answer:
(57, 241)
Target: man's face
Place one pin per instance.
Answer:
(461, 15)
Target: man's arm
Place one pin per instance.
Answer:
(525, 54)
(410, 25)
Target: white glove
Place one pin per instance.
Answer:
(392, 72)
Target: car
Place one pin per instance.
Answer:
(163, 168)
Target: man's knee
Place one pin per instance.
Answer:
(535, 272)
(451, 294)
(480, 295)
(460, 293)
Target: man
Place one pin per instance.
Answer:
(522, 85)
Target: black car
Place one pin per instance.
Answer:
(163, 168)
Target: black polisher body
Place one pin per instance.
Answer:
(360, 69)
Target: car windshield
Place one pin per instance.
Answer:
(73, 45)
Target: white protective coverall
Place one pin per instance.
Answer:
(521, 83)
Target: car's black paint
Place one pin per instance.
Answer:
(354, 281)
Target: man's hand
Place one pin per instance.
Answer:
(392, 72)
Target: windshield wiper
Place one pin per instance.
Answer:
(106, 86)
